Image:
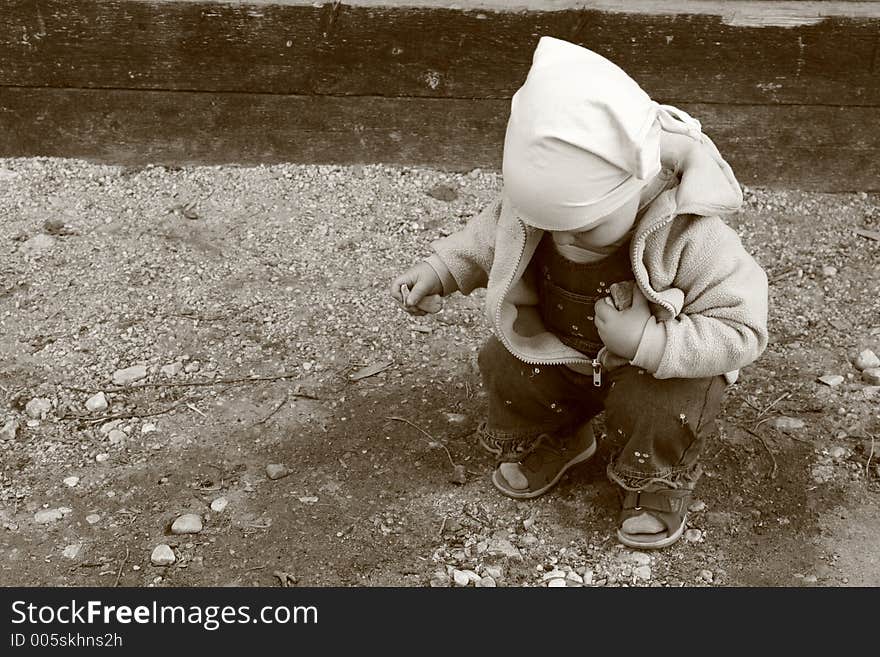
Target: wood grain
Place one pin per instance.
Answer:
(810, 147)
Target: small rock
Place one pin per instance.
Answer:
(639, 558)
(439, 580)
(486, 583)
(38, 407)
(693, 535)
(574, 577)
(188, 523)
(93, 518)
(37, 244)
(102, 458)
(529, 540)
(116, 437)
(456, 418)
(697, 506)
(46, 516)
(149, 427)
(443, 192)
(460, 578)
(503, 547)
(459, 474)
(71, 481)
(872, 376)
(171, 370)
(9, 430)
(192, 367)
(871, 391)
(107, 427)
(97, 403)
(495, 572)
(32, 423)
(556, 583)
(472, 576)
(787, 423)
(831, 379)
(643, 572)
(828, 271)
(554, 574)
(162, 555)
(838, 452)
(587, 577)
(528, 523)
(866, 360)
(811, 579)
(129, 375)
(707, 576)
(219, 504)
(71, 551)
(277, 471)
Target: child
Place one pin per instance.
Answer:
(607, 195)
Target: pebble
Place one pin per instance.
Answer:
(556, 583)
(97, 403)
(587, 577)
(172, 370)
(116, 436)
(866, 360)
(707, 576)
(162, 555)
(643, 572)
(459, 474)
(33, 423)
(38, 407)
(472, 576)
(574, 577)
(46, 516)
(693, 535)
(93, 518)
(486, 583)
(697, 506)
(503, 547)
(443, 192)
(838, 452)
(103, 457)
(828, 271)
(37, 244)
(129, 375)
(494, 572)
(9, 430)
(811, 579)
(460, 577)
(149, 427)
(107, 427)
(277, 471)
(456, 418)
(529, 539)
(71, 481)
(192, 367)
(640, 558)
(787, 423)
(218, 505)
(188, 523)
(71, 551)
(831, 379)
(554, 574)
(872, 375)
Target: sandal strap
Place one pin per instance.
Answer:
(670, 500)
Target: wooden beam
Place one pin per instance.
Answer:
(811, 147)
(337, 49)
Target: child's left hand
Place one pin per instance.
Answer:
(621, 330)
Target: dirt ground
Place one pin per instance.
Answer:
(254, 299)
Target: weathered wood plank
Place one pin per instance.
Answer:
(811, 147)
(423, 52)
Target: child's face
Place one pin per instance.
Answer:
(606, 231)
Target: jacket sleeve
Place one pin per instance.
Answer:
(723, 323)
(463, 260)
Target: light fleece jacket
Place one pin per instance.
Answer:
(708, 296)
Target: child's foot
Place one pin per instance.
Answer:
(653, 519)
(544, 466)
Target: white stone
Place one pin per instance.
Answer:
(37, 244)
(219, 504)
(71, 481)
(456, 418)
(707, 576)
(872, 376)
(831, 379)
(46, 516)
(162, 555)
(116, 437)
(9, 430)
(472, 576)
(640, 558)
(97, 403)
(643, 572)
(173, 369)
(828, 271)
(866, 360)
(38, 407)
(149, 427)
(697, 506)
(103, 457)
(486, 583)
(460, 577)
(93, 518)
(129, 375)
(838, 452)
(787, 423)
(71, 551)
(693, 535)
(107, 427)
(574, 577)
(277, 471)
(495, 572)
(192, 367)
(554, 574)
(556, 583)
(587, 577)
(188, 523)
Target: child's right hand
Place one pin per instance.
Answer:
(422, 282)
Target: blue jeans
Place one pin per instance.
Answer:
(661, 423)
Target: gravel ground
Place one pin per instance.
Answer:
(167, 334)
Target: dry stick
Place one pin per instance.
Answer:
(190, 384)
(773, 458)
(779, 399)
(122, 416)
(870, 456)
(434, 441)
(121, 566)
(275, 410)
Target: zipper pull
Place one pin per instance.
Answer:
(597, 372)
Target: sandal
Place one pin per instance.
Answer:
(667, 505)
(544, 466)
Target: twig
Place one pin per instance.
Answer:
(121, 566)
(120, 416)
(254, 568)
(191, 407)
(442, 527)
(215, 382)
(773, 458)
(870, 456)
(778, 399)
(434, 442)
(274, 410)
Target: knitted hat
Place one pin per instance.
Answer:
(582, 138)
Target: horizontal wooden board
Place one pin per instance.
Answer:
(810, 147)
(424, 52)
